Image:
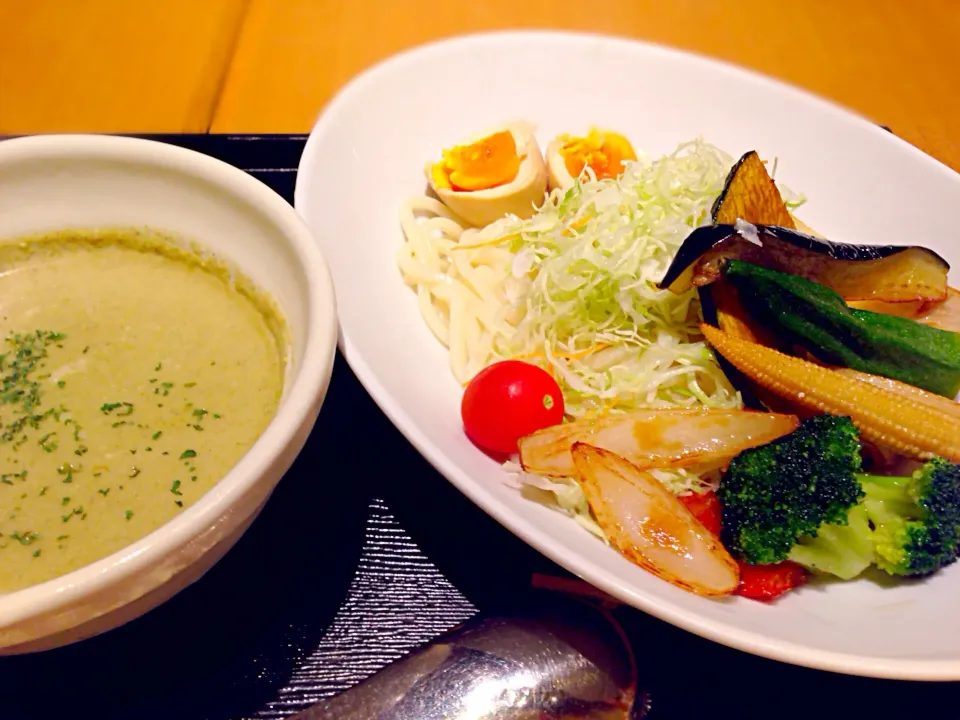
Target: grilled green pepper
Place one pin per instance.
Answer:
(817, 319)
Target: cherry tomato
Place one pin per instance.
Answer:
(508, 400)
(706, 509)
(765, 582)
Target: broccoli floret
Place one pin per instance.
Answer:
(844, 550)
(916, 519)
(803, 498)
(792, 499)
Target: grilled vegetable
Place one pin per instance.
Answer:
(944, 315)
(670, 438)
(908, 392)
(815, 317)
(705, 508)
(797, 498)
(911, 428)
(750, 194)
(803, 497)
(887, 273)
(650, 526)
(729, 313)
(722, 306)
(757, 582)
(916, 518)
(766, 582)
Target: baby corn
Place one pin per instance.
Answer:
(909, 427)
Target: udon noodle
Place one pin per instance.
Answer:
(461, 292)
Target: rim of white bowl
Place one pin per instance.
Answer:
(309, 383)
(717, 631)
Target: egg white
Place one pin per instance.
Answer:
(557, 174)
(521, 196)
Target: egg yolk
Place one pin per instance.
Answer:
(602, 152)
(487, 163)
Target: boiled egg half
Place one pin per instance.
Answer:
(491, 174)
(603, 151)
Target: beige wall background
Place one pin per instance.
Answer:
(260, 66)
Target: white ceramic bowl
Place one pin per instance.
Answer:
(50, 182)
(366, 155)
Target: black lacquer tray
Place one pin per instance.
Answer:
(358, 558)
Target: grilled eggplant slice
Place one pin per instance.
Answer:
(750, 194)
(885, 273)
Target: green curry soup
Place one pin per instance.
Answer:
(135, 374)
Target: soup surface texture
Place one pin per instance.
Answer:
(135, 374)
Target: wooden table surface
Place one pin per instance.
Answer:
(261, 66)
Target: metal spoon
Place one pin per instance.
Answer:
(568, 659)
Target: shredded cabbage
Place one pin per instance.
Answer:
(561, 494)
(582, 293)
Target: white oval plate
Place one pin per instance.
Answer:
(366, 155)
